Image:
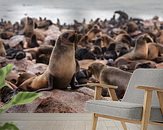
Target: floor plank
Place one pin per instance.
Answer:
(57, 121)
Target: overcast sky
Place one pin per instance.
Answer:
(67, 10)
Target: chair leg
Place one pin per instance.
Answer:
(146, 110)
(94, 121)
(144, 126)
(124, 125)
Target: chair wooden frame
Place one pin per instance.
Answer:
(146, 106)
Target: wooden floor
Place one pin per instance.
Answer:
(58, 121)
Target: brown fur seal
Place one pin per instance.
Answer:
(92, 33)
(41, 54)
(62, 66)
(160, 39)
(84, 64)
(27, 25)
(140, 50)
(124, 38)
(111, 76)
(153, 51)
(131, 27)
(106, 40)
(2, 49)
(130, 66)
(23, 77)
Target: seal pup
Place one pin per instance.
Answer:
(61, 69)
(112, 76)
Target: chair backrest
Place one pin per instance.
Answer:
(146, 77)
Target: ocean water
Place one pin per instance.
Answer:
(68, 10)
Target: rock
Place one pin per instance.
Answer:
(51, 34)
(58, 101)
(30, 107)
(37, 69)
(20, 65)
(66, 101)
(28, 66)
(15, 40)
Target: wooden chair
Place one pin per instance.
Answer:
(141, 104)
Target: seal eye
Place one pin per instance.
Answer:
(72, 38)
(65, 35)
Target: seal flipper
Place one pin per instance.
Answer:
(50, 84)
(6, 94)
(74, 82)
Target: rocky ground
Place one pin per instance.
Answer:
(58, 101)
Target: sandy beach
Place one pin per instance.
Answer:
(68, 10)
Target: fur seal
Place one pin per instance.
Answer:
(131, 27)
(111, 76)
(27, 25)
(130, 66)
(93, 32)
(23, 77)
(153, 51)
(140, 50)
(160, 38)
(84, 64)
(91, 35)
(84, 53)
(61, 69)
(124, 38)
(106, 40)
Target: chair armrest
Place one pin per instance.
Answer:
(98, 90)
(147, 88)
(99, 85)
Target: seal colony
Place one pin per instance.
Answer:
(102, 51)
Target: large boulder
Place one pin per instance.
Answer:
(58, 101)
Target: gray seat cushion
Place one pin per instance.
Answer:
(125, 110)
